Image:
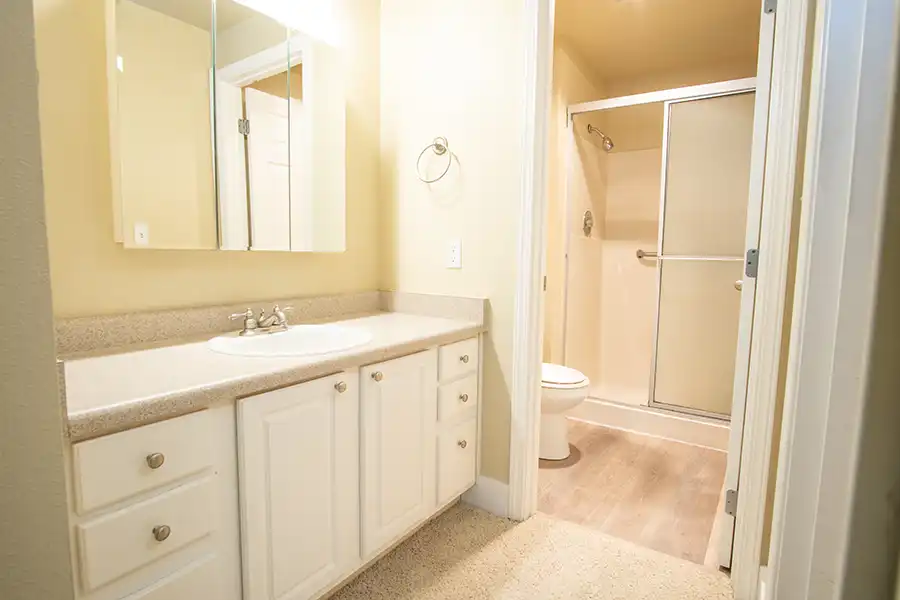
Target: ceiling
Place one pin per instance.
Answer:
(622, 39)
(198, 12)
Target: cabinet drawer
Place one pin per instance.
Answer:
(458, 359)
(123, 541)
(199, 580)
(456, 460)
(117, 466)
(457, 398)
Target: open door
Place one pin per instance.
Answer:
(268, 168)
(748, 286)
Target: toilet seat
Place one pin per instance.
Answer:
(562, 389)
(558, 377)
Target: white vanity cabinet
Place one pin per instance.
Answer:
(457, 427)
(299, 481)
(279, 496)
(335, 471)
(153, 511)
(399, 404)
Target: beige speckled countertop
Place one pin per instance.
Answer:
(106, 394)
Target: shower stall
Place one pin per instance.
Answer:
(656, 228)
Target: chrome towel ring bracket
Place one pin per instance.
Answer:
(440, 147)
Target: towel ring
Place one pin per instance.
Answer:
(440, 147)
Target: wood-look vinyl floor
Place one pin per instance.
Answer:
(656, 493)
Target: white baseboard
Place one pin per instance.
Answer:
(490, 495)
(763, 583)
(658, 423)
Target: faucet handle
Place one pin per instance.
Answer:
(280, 317)
(250, 322)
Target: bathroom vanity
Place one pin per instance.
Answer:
(195, 474)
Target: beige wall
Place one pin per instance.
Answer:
(470, 90)
(247, 38)
(91, 274)
(628, 295)
(572, 83)
(33, 513)
(277, 85)
(586, 183)
(163, 126)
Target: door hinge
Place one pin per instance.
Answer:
(244, 126)
(545, 283)
(731, 499)
(751, 265)
(769, 6)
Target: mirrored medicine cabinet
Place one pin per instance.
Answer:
(227, 127)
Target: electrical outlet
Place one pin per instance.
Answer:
(141, 234)
(454, 255)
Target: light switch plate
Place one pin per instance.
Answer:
(141, 234)
(454, 254)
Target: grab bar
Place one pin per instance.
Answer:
(641, 254)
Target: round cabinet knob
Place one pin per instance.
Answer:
(464, 359)
(739, 284)
(377, 376)
(462, 443)
(156, 460)
(161, 533)
(463, 397)
(341, 387)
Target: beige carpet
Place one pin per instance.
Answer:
(467, 553)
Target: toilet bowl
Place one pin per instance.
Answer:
(562, 389)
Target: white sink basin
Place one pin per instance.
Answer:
(298, 340)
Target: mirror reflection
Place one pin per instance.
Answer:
(230, 129)
(164, 125)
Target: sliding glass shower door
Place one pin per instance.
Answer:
(703, 214)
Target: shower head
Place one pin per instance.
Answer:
(607, 141)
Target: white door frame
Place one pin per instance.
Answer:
(778, 193)
(847, 166)
(234, 214)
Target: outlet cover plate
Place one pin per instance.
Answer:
(454, 254)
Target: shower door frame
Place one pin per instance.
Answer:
(668, 97)
(660, 259)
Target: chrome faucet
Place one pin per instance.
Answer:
(273, 323)
(277, 321)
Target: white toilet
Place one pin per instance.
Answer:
(562, 389)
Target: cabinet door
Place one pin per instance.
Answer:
(399, 410)
(299, 483)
